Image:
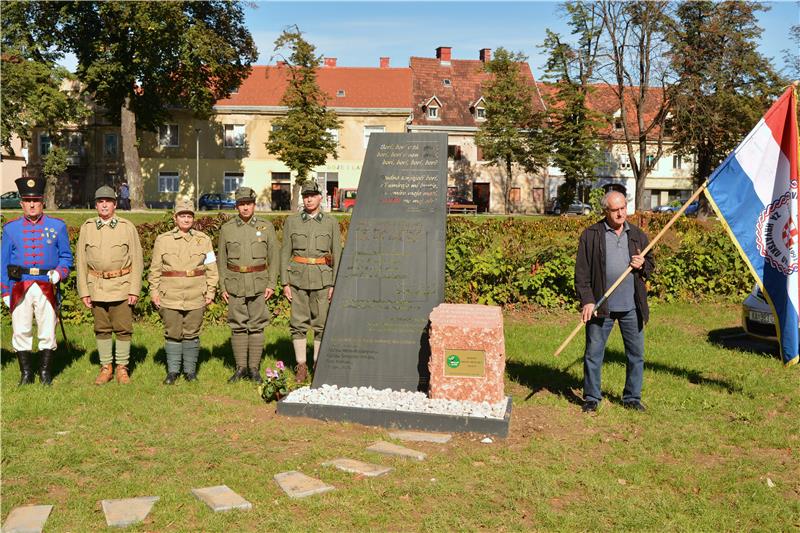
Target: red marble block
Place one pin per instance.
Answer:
(468, 353)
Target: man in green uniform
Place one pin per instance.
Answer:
(109, 274)
(309, 260)
(248, 270)
(183, 280)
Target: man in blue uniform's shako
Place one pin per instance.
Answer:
(35, 258)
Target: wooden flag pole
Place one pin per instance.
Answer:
(628, 270)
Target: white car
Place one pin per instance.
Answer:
(757, 318)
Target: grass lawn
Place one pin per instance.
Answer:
(716, 451)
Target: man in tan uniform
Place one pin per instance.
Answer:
(183, 280)
(248, 269)
(109, 271)
(309, 260)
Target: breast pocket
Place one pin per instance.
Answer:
(118, 253)
(259, 250)
(299, 241)
(233, 249)
(323, 243)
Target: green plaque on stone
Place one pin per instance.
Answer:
(464, 363)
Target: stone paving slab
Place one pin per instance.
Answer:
(298, 485)
(358, 467)
(27, 519)
(387, 448)
(221, 498)
(127, 511)
(421, 436)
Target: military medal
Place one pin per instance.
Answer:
(258, 234)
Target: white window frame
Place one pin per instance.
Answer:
(624, 162)
(45, 143)
(234, 135)
(369, 130)
(232, 181)
(677, 162)
(480, 113)
(169, 181)
(433, 112)
(169, 135)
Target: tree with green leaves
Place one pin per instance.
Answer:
(636, 69)
(33, 94)
(511, 134)
(724, 83)
(572, 127)
(303, 138)
(139, 60)
(791, 56)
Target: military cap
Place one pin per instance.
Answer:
(30, 187)
(184, 205)
(310, 188)
(105, 192)
(245, 194)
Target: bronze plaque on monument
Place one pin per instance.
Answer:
(464, 363)
(392, 269)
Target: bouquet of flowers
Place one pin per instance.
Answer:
(275, 386)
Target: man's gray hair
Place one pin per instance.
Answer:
(607, 196)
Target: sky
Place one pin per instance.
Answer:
(359, 33)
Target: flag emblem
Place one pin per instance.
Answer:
(780, 253)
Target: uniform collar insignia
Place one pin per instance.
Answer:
(113, 223)
(305, 216)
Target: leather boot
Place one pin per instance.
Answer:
(171, 378)
(301, 370)
(45, 367)
(25, 368)
(106, 375)
(255, 348)
(122, 375)
(241, 373)
(300, 373)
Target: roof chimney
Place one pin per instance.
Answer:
(485, 55)
(330, 62)
(384, 62)
(443, 53)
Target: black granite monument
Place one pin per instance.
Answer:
(392, 270)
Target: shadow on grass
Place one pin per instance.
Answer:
(138, 355)
(737, 339)
(283, 350)
(62, 358)
(538, 377)
(692, 376)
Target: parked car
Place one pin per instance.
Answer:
(575, 208)
(211, 201)
(757, 318)
(10, 200)
(691, 210)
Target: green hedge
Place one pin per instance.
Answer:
(510, 260)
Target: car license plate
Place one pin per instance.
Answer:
(762, 318)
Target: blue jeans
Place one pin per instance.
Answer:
(597, 332)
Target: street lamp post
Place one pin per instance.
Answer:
(197, 169)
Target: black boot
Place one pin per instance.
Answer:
(255, 375)
(241, 373)
(171, 378)
(25, 368)
(46, 367)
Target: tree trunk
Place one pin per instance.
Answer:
(51, 182)
(507, 186)
(133, 167)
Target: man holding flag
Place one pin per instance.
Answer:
(755, 193)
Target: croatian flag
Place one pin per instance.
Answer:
(754, 192)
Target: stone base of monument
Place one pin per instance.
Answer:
(400, 419)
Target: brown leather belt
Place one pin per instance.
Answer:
(110, 274)
(184, 273)
(244, 270)
(326, 260)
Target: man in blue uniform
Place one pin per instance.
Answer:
(35, 258)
